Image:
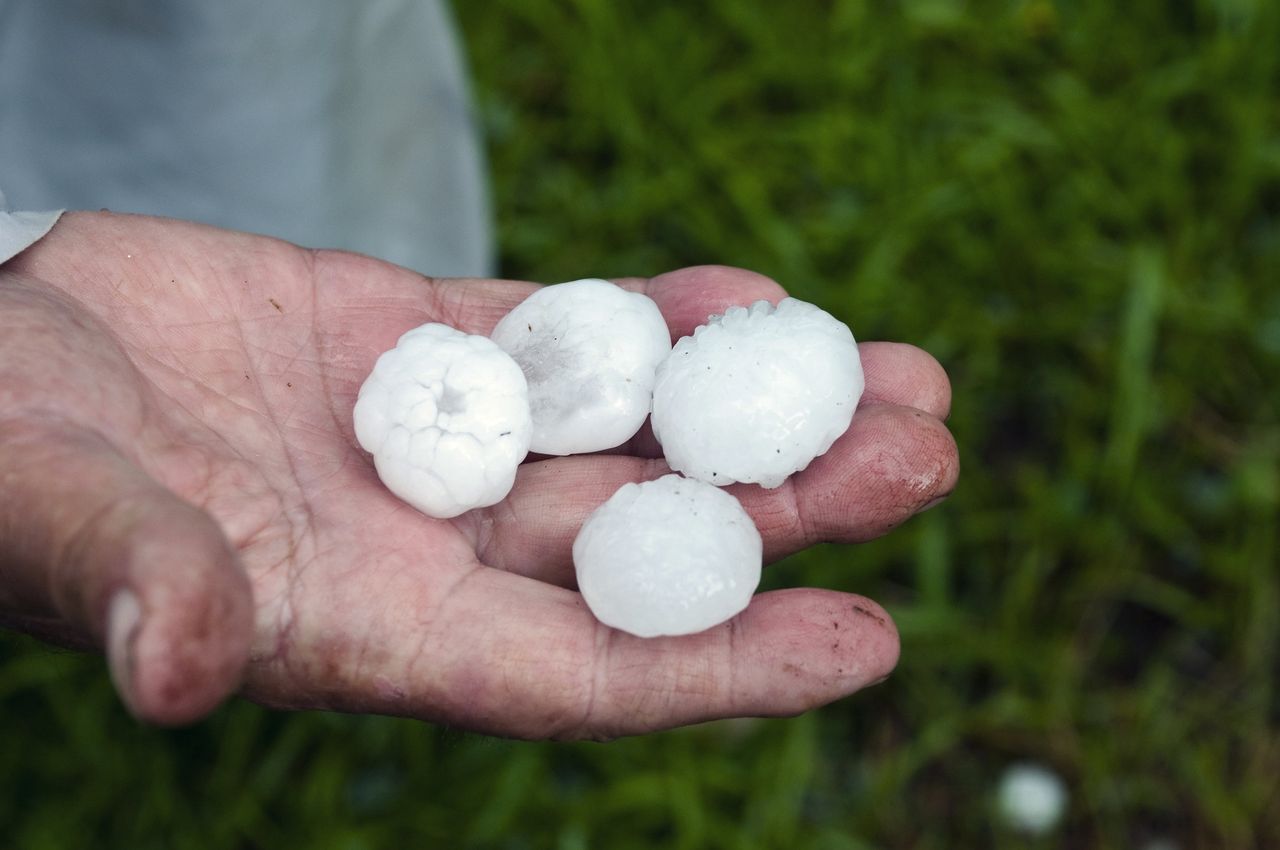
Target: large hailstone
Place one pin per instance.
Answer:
(446, 417)
(589, 350)
(667, 557)
(756, 394)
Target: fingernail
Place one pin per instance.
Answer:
(934, 502)
(124, 613)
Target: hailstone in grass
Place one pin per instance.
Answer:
(1031, 798)
(667, 557)
(445, 415)
(589, 350)
(756, 394)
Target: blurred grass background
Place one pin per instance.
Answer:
(1075, 206)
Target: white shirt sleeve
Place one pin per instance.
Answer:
(20, 230)
(332, 125)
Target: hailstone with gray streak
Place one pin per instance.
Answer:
(589, 350)
(445, 415)
(667, 557)
(756, 394)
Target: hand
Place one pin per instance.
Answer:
(180, 486)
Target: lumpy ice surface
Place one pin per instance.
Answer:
(446, 417)
(756, 394)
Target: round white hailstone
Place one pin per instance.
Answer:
(446, 417)
(667, 557)
(589, 350)
(1031, 798)
(1160, 844)
(756, 394)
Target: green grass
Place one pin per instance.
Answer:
(1076, 207)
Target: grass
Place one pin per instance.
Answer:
(1075, 206)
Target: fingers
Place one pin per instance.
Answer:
(498, 653)
(371, 303)
(904, 375)
(891, 463)
(686, 297)
(896, 374)
(90, 542)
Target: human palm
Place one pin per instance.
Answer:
(180, 484)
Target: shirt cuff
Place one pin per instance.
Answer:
(20, 230)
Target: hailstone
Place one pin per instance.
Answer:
(756, 394)
(1031, 798)
(445, 415)
(589, 350)
(667, 557)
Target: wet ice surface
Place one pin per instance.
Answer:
(446, 417)
(756, 394)
(589, 350)
(668, 557)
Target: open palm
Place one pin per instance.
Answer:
(180, 484)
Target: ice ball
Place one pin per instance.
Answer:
(756, 394)
(672, 556)
(445, 415)
(1031, 798)
(590, 351)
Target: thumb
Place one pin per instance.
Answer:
(93, 544)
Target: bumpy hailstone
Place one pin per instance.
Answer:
(667, 557)
(446, 417)
(756, 394)
(589, 350)
(1031, 798)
